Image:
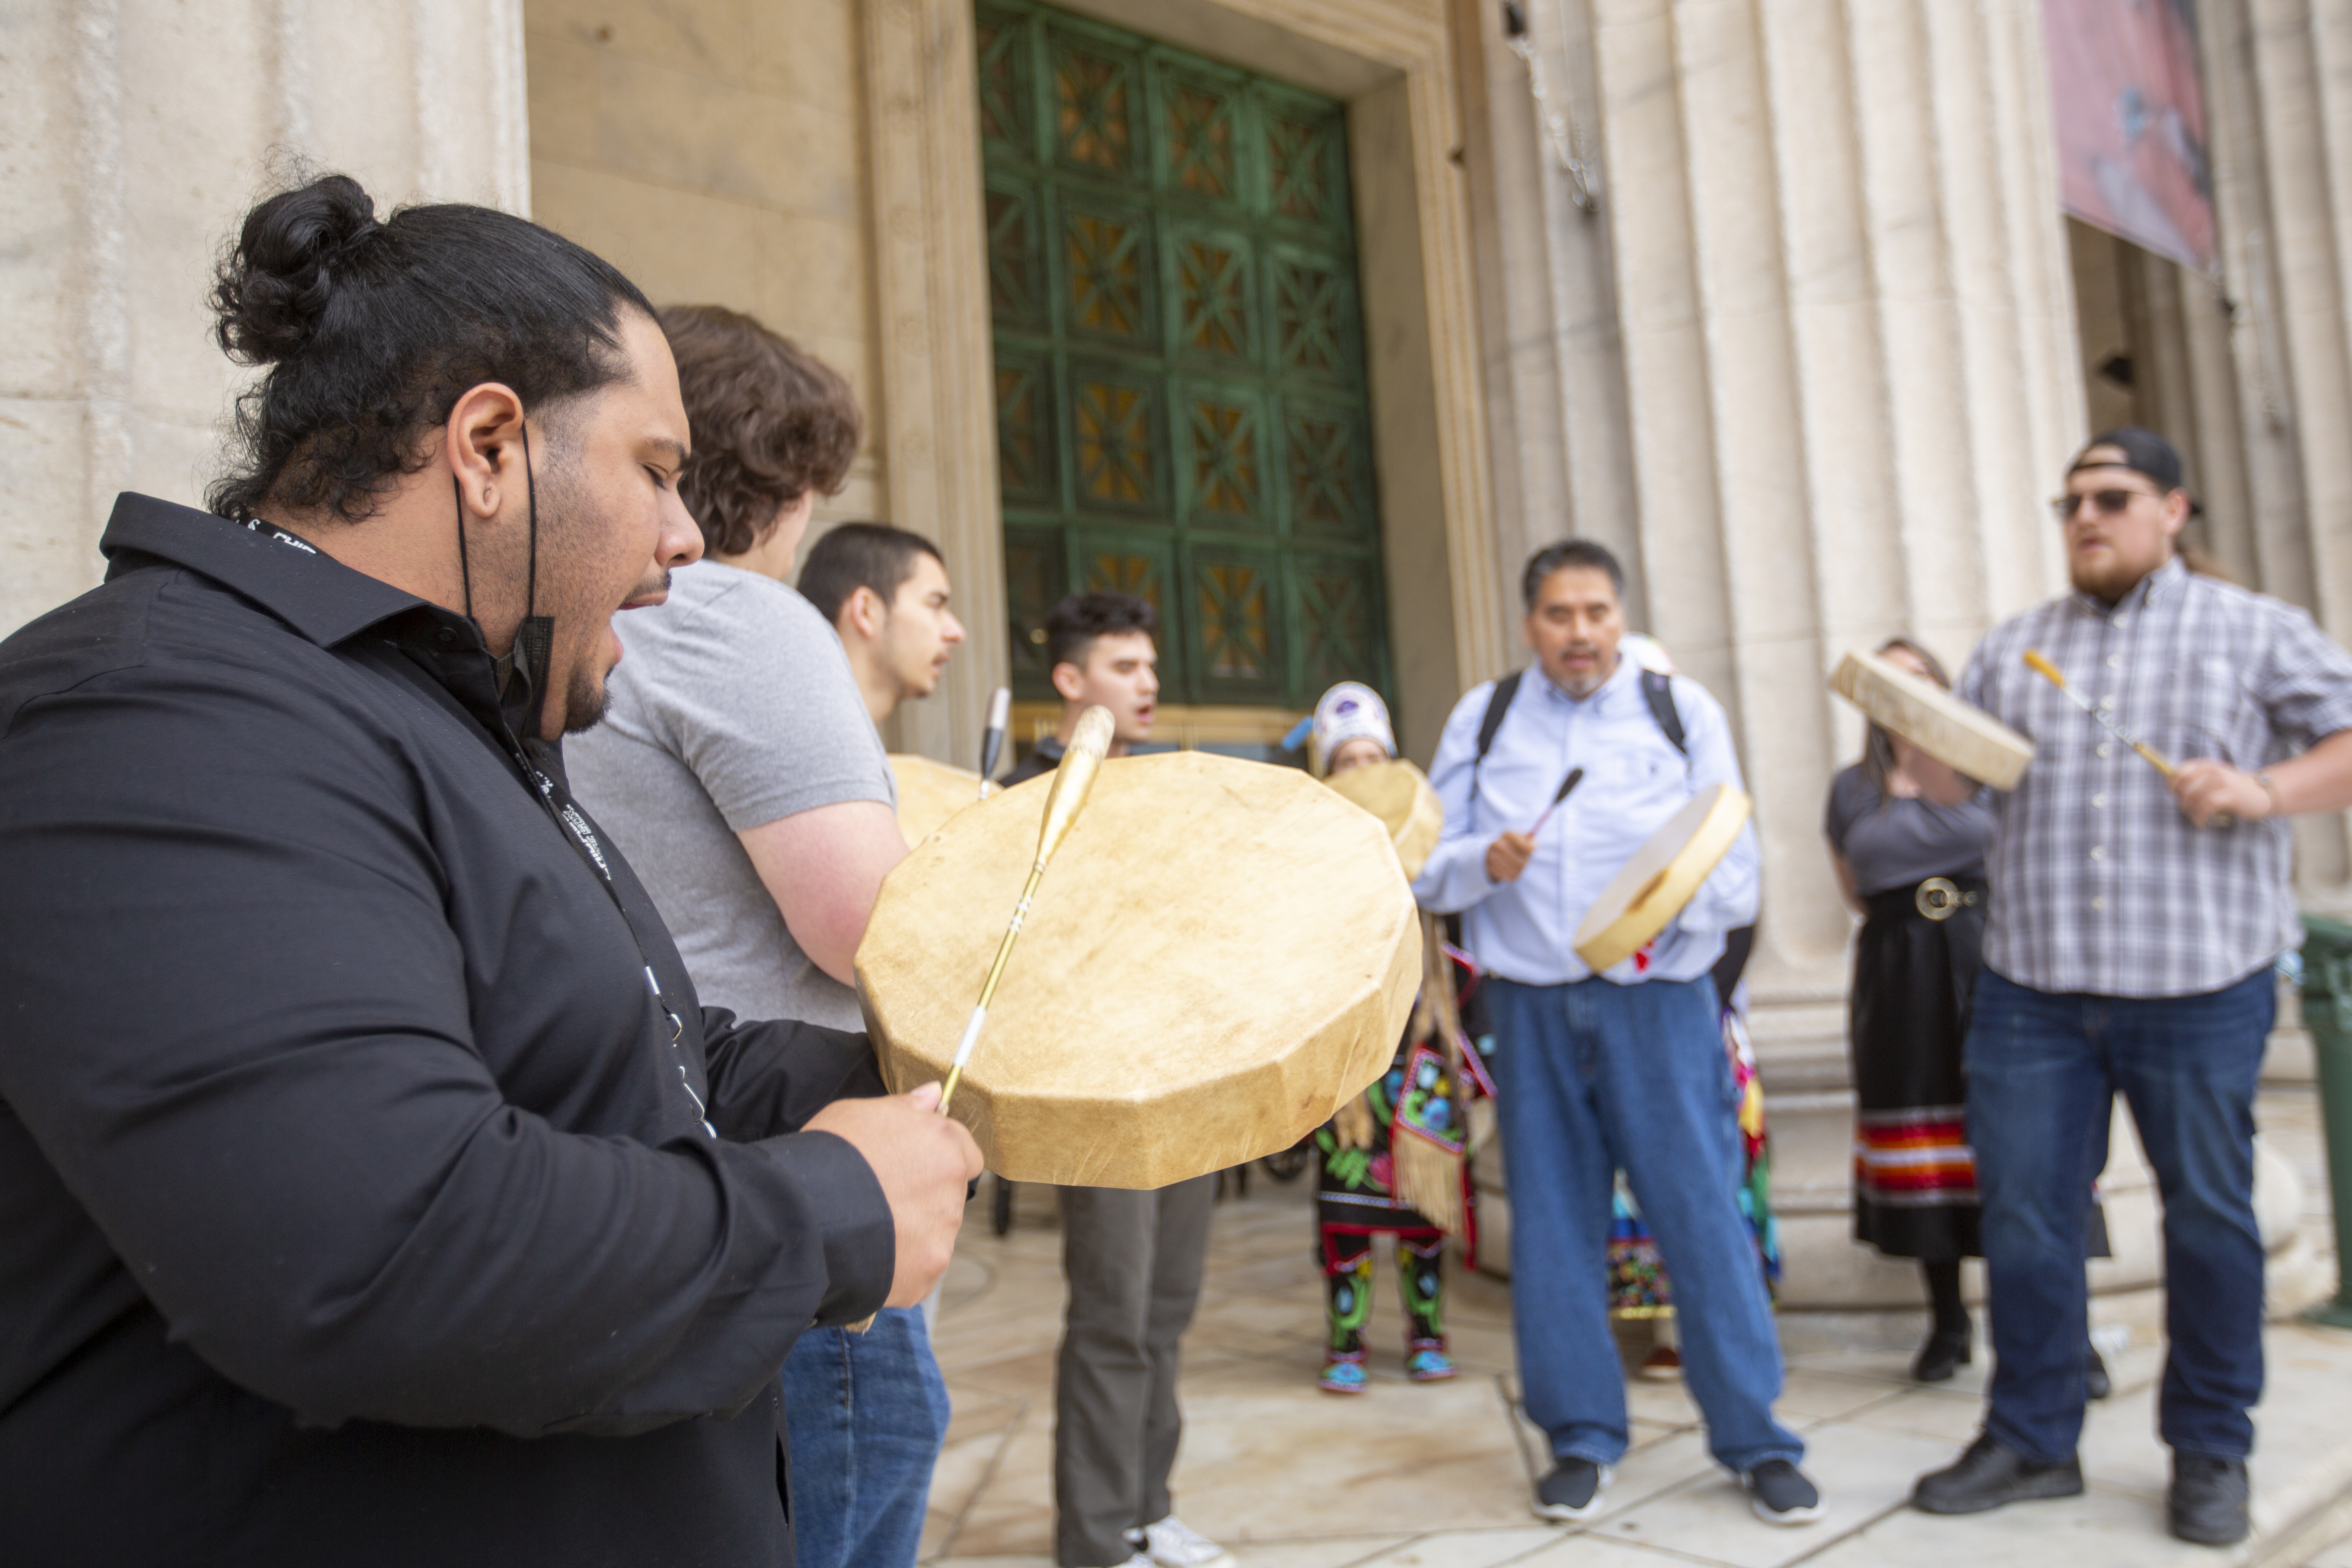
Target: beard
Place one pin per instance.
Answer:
(585, 699)
(2108, 580)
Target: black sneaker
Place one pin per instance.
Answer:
(1779, 1494)
(1572, 1491)
(1989, 1476)
(2208, 1500)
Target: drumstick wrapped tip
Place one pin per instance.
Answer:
(1074, 779)
(2042, 667)
(1089, 743)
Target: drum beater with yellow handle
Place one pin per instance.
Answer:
(1073, 779)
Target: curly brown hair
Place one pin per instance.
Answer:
(771, 422)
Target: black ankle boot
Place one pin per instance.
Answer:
(1946, 1351)
(2208, 1500)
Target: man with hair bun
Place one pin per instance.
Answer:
(738, 763)
(375, 1187)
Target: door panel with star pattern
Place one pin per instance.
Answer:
(1181, 410)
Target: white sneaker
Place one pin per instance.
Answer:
(1172, 1543)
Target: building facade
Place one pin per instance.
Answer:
(1309, 320)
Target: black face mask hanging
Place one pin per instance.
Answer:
(523, 672)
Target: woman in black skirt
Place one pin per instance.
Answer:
(1907, 836)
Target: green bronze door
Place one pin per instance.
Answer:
(1180, 358)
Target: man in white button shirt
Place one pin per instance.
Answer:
(1622, 1068)
(2129, 946)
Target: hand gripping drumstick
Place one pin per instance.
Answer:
(1072, 782)
(2048, 671)
(991, 737)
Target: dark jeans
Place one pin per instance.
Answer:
(2043, 1071)
(1134, 1262)
(1594, 1077)
(866, 1414)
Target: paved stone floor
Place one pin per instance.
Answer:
(1437, 1475)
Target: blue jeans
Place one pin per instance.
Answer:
(866, 1413)
(1594, 1075)
(2044, 1070)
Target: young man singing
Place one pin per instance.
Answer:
(1134, 1260)
(885, 590)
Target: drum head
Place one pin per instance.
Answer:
(1221, 954)
(1968, 739)
(930, 792)
(1662, 876)
(1399, 794)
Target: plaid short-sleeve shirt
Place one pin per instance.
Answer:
(2099, 883)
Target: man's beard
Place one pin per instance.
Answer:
(2106, 583)
(585, 699)
(1591, 684)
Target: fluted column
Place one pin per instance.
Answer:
(1833, 304)
(137, 132)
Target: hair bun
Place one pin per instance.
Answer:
(272, 290)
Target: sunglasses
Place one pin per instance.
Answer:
(2106, 503)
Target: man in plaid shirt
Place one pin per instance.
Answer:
(2133, 926)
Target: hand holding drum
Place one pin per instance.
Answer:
(1963, 738)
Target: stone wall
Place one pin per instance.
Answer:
(715, 154)
(137, 132)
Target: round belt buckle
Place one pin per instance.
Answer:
(1939, 897)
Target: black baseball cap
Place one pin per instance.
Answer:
(2145, 452)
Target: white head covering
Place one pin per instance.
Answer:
(1647, 652)
(1349, 712)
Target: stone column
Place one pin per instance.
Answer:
(137, 133)
(2278, 79)
(1810, 367)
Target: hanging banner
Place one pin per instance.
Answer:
(2129, 108)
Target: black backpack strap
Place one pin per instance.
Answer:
(1658, 691)
(1490, 723)
(1498, 702)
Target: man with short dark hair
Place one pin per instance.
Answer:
(738, 764)
(375, 1187)
(1134, 1260)
(1099, 653)
(884, 591)
(2134, 924)
(1624, 1068)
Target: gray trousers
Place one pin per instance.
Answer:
(1134, 1263)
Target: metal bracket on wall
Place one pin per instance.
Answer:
(1562, 132)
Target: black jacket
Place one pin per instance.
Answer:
(1043, 758)
(356, 1204)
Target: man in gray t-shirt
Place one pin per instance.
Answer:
(734, 708)
(739, 765)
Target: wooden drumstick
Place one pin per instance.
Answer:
(1567, 787)
(2049, 672)
(1072, 781)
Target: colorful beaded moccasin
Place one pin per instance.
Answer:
(1427, 1363)
(1342, 1374)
